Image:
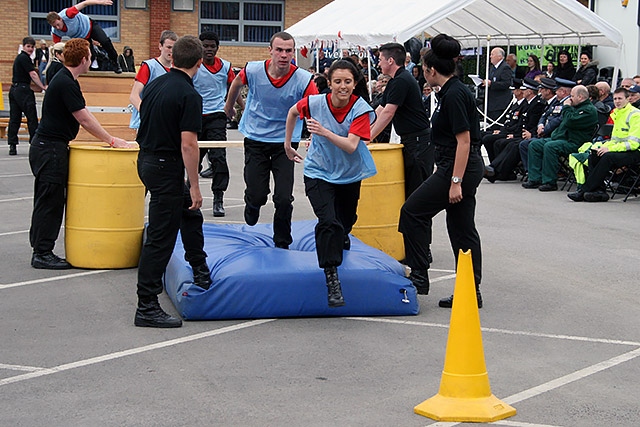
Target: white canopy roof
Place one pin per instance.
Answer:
(369, 23)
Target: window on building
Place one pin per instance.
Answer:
(242, 21)
(183, 5)
(135, 4)
(107, 16)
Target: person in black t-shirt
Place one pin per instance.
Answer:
(402, 105)
(170, 119)
(456, 135)
(21, 97)
(63, 111)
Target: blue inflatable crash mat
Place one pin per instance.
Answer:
(252, 279)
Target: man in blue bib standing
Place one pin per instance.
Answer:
(275, 85)
(212, 81)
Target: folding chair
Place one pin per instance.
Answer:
(628, 184)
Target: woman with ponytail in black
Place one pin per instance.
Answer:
(456, 135)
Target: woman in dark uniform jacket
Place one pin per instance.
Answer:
(456, 135)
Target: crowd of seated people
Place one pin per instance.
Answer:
(550, 123)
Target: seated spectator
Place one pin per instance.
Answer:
(533, 67)
(417, 74)
(554, 92)
(550, 72)
(364, 64)
(126, 60)
(587, 73)
(602, 109)
(408, 63)
(324, 62)
(376, 101)
(426, 98)
(322, 84)
(634, 95)
(605, 95)
(636, 79)
(512, 62)
(579, 118)
(512, 122)
(627, 83)
(621, 150)
(507, 155)
(565, 69)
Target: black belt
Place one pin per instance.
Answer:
(416, 135)
(21, 84)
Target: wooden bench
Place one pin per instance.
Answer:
(23, 132)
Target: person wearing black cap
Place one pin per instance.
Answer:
(634, 95)
(555, 92)
(452, 187)
(511, 125)
(579, 118)
(507, 149)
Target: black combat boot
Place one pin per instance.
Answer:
(334, 291)
(448, 302)
(150, 315)
(202, 276)
(218, 208)
(420, 279)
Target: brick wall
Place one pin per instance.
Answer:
(140, 29)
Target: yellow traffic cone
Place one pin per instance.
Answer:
(465, 394)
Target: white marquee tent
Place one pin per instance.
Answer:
(369, 23)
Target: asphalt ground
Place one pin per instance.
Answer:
(561, 333)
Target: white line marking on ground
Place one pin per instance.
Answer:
(17, 199)
(557, 383)
(441, 270)
(10, 233)
(497, 423)
(130, 352)
(20, 367)
(501, 331)
(51, 279)
(575, 376)
(443, 278)
(16, 175)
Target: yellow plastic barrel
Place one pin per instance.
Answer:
(381, 198)
(105, 208)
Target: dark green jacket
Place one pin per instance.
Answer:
(578, 123)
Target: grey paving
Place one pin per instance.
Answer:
(561, 337)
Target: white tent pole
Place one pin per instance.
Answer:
(486, 88)
(616, 69)
(477, 63)
(369, 64)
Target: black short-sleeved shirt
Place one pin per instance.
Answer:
(170, 105)
(403, 91)
(22, 66)
(456, 113)
(62, 98)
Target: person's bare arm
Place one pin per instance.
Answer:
(384, 118)
(134, 96)
(86, 3)
(91, 124)
(232, 95)
(34, 78)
